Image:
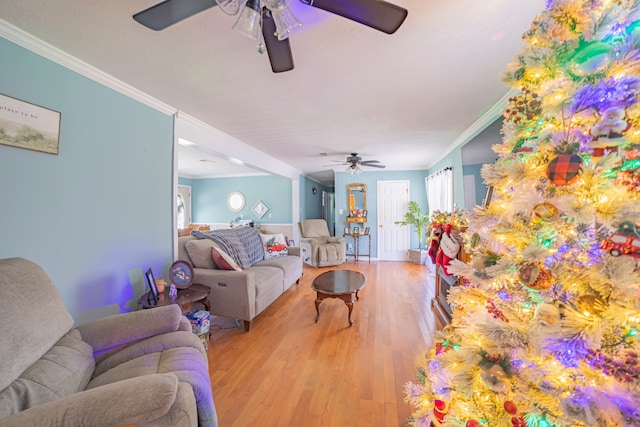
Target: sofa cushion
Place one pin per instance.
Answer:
(223, 260)
(200, 253)
(275, 245)
(64, 370)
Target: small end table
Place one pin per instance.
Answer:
(186, 298)
(356, 246)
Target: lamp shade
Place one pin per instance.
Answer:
(283, 17)
(248, 22)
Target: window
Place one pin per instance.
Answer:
(181, 216)
(440, 190)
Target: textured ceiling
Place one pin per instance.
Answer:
(405, 99)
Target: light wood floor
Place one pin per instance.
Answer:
(290, 371)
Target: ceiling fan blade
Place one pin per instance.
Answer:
(374, 165)
(279, 51)
(170, 12)
(366, 162)
(377, 14)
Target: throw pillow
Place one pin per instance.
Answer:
(275, 245)
(223, 260)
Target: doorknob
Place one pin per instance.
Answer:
(380, 226)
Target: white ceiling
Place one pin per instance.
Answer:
(405, 99)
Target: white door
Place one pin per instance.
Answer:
(393, 240)
(184, 206)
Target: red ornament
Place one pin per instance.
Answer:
(472, 423)
(564, 169)
(442, 349)
(439, 411)
(510, 407)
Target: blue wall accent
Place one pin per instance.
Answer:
(481, 188)
(209, 199)
(311, 204)
(100, 209)
(417, 192)
(185, 181)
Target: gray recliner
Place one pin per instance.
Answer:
(145, 368)
(319, 248)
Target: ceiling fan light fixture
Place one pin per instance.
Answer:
(285, 20)
(354, 169)
(248, 22)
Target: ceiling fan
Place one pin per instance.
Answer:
(274, 15)
(354, 162)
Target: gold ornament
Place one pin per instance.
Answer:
(590, 304)
(543, 212)
(534, 277)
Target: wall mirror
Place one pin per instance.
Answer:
(357, 194)
(235, 201)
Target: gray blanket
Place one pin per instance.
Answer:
(243, 244)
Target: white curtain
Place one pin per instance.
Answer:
(440, 190)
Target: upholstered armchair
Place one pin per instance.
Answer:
(144, 368)
(319, 249)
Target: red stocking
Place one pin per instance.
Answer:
(436, 233)
(449, 248)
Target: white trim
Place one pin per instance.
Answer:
(215, 142)
(29, 42)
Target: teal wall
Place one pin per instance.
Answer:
(209, 199)
(100, 212)
(417, 192)
(311, 204)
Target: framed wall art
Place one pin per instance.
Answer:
(29, 126)
(260, 209)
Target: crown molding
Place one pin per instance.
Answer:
(482, 123)
(29, 42)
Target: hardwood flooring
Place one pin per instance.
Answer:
(290, 371)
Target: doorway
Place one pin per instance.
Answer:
(393, 239)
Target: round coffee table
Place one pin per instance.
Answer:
(342, 284)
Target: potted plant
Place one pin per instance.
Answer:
(414, 217)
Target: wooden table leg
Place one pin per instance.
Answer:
(319, 298)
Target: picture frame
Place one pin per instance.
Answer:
(366, 231)
(153, 294)
(487, 197)
(365, 213)
(29, 126)
(260, 209)
(356, 230)
(346, 230)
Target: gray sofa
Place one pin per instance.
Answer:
(240, 295)
(145, 368)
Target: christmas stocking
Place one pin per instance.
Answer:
(436, 233)
(449, 248)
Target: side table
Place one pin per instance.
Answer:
(356, 246)
(186, 298)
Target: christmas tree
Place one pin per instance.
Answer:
(545, 323)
